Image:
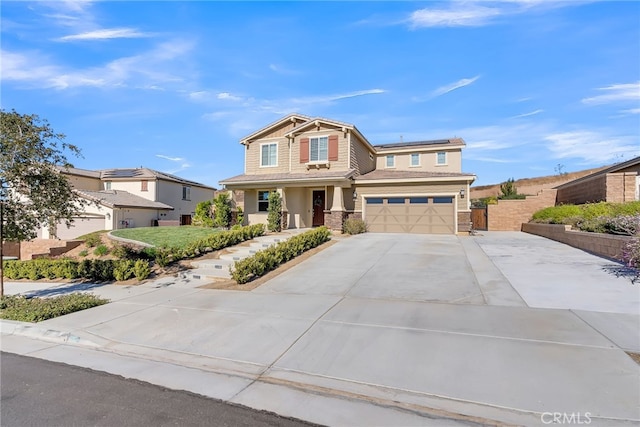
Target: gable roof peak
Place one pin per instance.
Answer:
(289, 117)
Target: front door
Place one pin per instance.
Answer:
(318, 208)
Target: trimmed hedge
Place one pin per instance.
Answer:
(23, 309)
(95, 270)
(269, 259)
(571, 214)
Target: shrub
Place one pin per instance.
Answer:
(239, 216)
(268, 259)
(274, 212)
(124, 252)
(203, 215)
(100, 250)
(222, 210)
(83, 253)
(24, 309)
(92, 240)
(101, 270)
(587, 217)
(354, 226)
(141, 269)
(123, 270)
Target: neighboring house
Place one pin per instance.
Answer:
(617, 183)
(326, 171)
(127, 198)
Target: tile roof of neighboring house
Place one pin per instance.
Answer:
(613, 168)
(451, 141)
(379, 174)
(142, 173)
(122, 199)
(79, 172)
(279, 177)
(128, 173)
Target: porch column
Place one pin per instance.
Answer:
(284, 215)
(335, 217)
(338, 200)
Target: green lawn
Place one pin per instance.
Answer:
(166, 236)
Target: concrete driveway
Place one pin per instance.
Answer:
(382, 330)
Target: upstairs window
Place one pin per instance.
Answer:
(269, 155)
(391, 161)
(107, 185)
(144, 185)
(263, 201)
(318, 149)
(441, 158)
(415, 159)
(186, 192)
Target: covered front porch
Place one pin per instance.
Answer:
(305, 203)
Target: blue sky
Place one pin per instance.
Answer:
(173, 86)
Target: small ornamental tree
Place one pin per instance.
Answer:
(33, 191)
(222, 210)
(204, 214)
(274, 212)
(509, 191)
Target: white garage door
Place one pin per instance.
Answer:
(425, 215)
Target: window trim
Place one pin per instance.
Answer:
(258, 201)
(186, 192)
(311, 138)
(144, 185)
(107, 185)
(446, 158)
(263, 144)
(393, 161)
(411, 165)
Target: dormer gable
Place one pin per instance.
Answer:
(276, 129)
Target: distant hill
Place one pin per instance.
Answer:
(532, 186)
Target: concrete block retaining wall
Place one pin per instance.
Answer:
(606, 245)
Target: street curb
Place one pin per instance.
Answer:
(24, 329)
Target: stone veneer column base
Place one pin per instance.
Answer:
(333, 220)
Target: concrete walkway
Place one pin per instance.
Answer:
(381, 330)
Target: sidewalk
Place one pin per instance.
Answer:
(342, 358)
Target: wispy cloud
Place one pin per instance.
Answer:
(615, 93)
(476, 13)
(228, 96)
(160, 65)
(106, 34)
(591, 146)
(532, 113)
(631, 111)
(453, 86)
(173, 159)
(454, 16)
(335, 97)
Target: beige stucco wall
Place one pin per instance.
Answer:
(171, 193)
(427, 161)
(298, 207)
(135, 187)
(85, 183)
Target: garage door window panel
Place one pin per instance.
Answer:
(419, 200)
(440, 200)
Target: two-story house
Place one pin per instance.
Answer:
(326, 171)
(127, 198)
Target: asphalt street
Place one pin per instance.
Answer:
(37, 392)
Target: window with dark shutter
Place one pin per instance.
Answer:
(333, 148)
(304, 150)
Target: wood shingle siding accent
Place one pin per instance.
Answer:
(304, 150)
(279, 132)
(333, 148)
